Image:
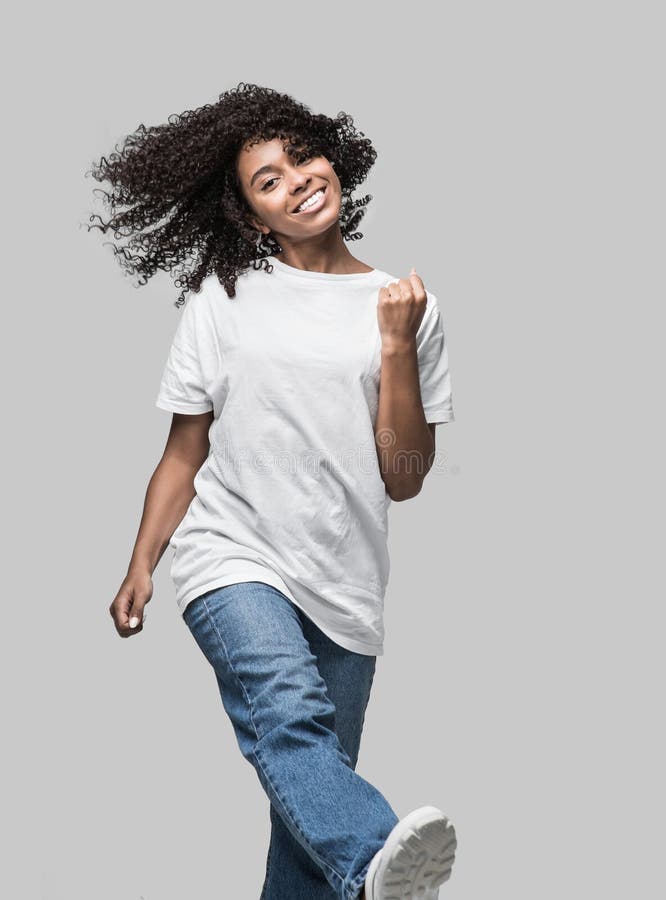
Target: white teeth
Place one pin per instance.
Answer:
(311, 200)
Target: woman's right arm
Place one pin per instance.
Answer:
(168, 496)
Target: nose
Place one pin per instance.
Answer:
(299, 181)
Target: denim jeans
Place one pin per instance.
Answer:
(297, 702)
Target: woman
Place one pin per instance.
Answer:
(281, 461)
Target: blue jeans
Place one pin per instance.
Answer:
(297, 702)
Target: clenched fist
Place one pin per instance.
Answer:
(127, 607)
(400, 310)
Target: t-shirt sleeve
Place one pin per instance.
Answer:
(182, 388)
(434, 374)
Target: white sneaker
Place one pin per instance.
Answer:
(416, 858)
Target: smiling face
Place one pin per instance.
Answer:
(274, 185)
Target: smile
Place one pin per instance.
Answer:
(313, 203)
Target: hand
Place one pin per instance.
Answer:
(135, 591)
(400, 310)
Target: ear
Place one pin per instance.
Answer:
(255, 223)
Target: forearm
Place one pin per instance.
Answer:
(169, 493)
(403, 439)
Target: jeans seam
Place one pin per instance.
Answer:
(314, 853)
(235, 674)
(355, 887)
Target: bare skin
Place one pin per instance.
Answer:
(273, 185)
(313, 242)
(170, 491)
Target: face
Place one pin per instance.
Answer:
(274, 184)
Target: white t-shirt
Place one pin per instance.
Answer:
(291, 492)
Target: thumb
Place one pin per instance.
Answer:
(137, 614)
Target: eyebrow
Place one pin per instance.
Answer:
(261, 171)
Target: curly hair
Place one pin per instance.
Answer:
(179, 183)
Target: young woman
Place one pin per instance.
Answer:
(281, 461)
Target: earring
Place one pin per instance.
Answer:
(260, 237)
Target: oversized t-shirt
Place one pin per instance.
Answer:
(291, 492)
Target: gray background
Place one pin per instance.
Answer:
(521, 170)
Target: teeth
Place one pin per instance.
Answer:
(311, 200)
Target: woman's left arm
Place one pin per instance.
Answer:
(405, 441)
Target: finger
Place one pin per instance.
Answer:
(120, 609)
(137, 617)
(130, 632)
(124, 613)
(416, 282)
(411, 287)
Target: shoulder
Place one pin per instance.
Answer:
(212, 292)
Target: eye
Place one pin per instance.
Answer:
(298, 163)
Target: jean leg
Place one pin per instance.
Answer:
(290, 871)
(284, 721)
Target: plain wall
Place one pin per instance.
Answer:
(521, 170)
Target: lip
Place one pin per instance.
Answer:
(316, 206)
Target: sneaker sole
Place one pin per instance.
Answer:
(417, 857)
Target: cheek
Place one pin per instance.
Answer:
(250, 204)
(274, 206)
(337, 187)
(331, 177)
(267, 206)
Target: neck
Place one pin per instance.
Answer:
(320, 256)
